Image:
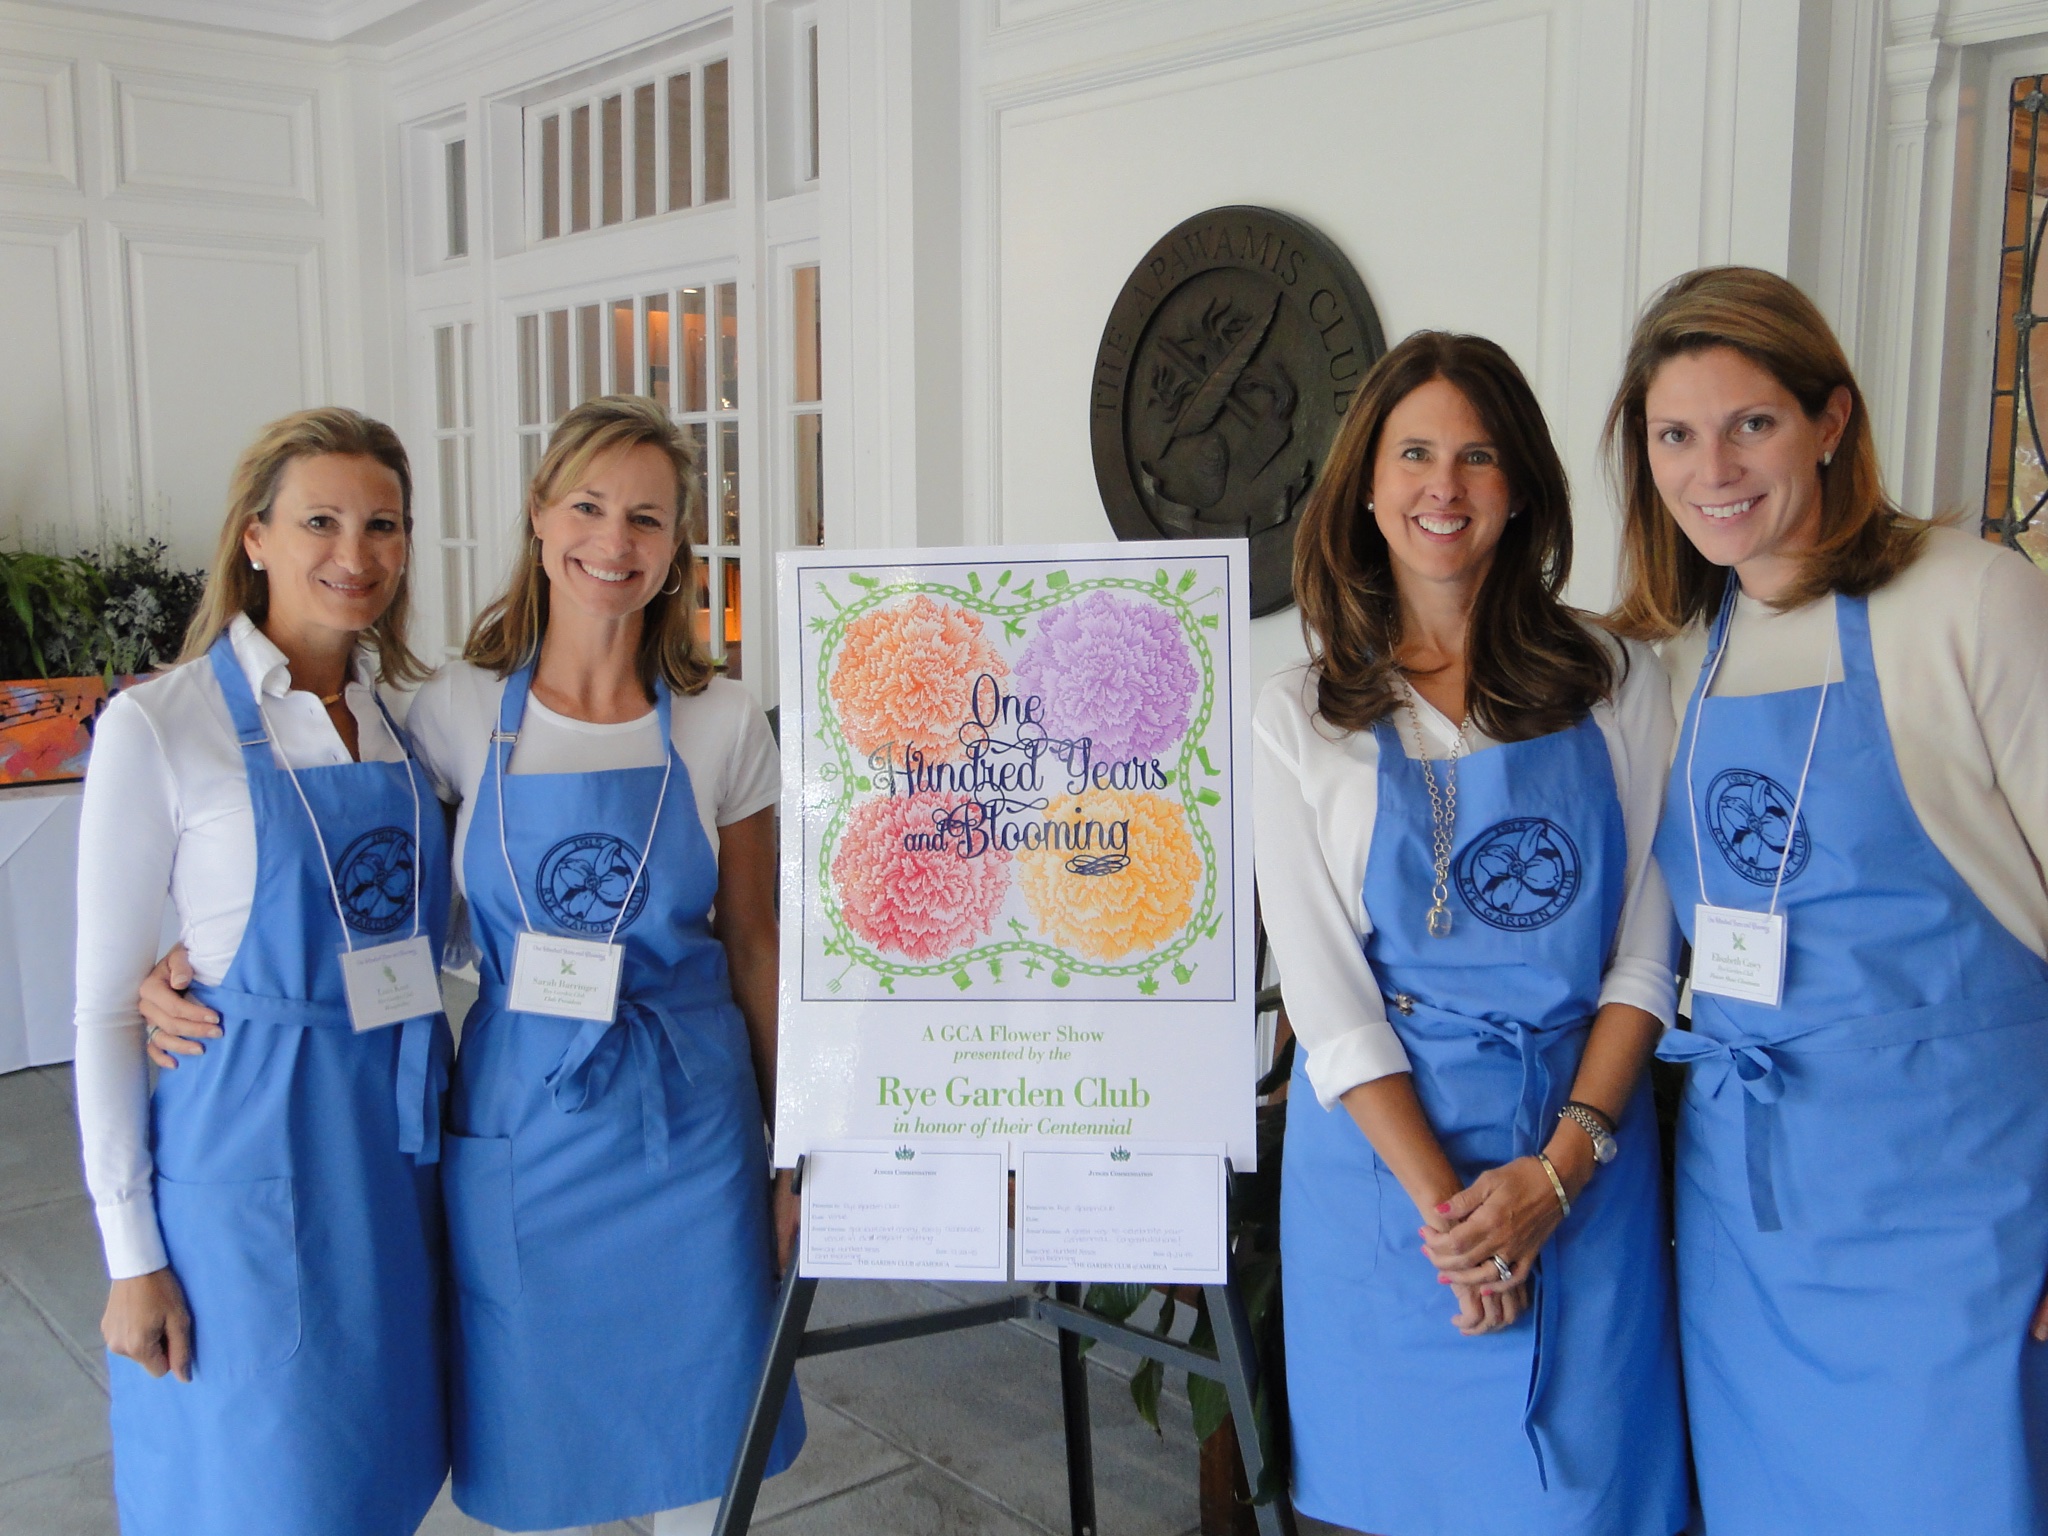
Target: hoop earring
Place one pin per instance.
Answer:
(672, 591)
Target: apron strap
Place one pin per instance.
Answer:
(422, 1073)
(251, 735)
(1753, 1062)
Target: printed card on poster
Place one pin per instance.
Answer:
(1130, 1211)
(905, 1210)
(1016, 833)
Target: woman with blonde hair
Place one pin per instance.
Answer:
(1456, 801)
(606, 1173)
(1853, 835)
(269, 1209)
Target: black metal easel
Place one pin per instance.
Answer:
(1232, 1363)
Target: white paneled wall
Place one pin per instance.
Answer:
(176, 214)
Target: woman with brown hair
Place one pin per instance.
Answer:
(1456, 800)
(269, 1209)
(1853, 836)
(606, 1173)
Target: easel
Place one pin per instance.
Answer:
(1232, 1363)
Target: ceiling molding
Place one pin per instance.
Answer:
(303, 21)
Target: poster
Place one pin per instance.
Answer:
(1016, 870)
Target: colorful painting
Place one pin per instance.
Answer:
(1012, 790)
(46, 726)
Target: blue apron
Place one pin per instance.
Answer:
(607, 1183)
(1567, 1421)
(293, 1193)
(1862, 1194)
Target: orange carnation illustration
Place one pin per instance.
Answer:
(905, 675)
(1107, 905)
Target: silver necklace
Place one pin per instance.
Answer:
(1443, 816)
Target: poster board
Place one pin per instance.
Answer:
(1016, 846)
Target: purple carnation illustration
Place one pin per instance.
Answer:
(1115, 670)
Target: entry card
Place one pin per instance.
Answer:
(1739, 954)
(389, 983)
(905, 1210)
(565, 978)
(1139, 1211)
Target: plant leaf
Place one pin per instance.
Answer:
(1145, 1385)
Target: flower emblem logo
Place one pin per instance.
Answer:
(1519, 874)
(583, 881)
(374, 876)
(1750, 815)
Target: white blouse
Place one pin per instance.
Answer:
(720, 734)
(1959, 641)
(1316, 800)
(167, 813)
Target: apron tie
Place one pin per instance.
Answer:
(592, 1058)
(1532, 1047)
(1753, 1060)
(422, 1070)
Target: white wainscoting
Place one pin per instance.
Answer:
(196, 401)
(46, 461)
(38, 121)
(194, 137)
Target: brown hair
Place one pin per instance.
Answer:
(1532, 667)
(1864, 539)
(507, 634)
(235, 586)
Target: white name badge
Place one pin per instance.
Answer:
(1739, 954)
(565, 978)
(390, 983)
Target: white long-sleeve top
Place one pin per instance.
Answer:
(167, 814)
(1957, 639)
(1313, 814)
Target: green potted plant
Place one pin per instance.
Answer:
(74, 629)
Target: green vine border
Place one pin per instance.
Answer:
(1011, 604)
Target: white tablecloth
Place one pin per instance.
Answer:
(38, 922)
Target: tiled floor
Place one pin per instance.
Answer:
(951, 1436)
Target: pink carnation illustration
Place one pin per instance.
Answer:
(905, 674)
(903, 885)
(1113, 669)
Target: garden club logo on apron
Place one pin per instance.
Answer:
(1520, 873)
(1756, 824)
(375, 878)
(588, 883)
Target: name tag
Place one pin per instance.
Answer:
(1739, 954)
(389, 983)
(565, 978)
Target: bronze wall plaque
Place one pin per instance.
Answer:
(1227, 362)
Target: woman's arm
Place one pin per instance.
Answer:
(744, 922)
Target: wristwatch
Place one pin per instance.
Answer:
(1594, 1124)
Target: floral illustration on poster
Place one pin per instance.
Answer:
(1016, 779)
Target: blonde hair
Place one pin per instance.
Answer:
(507, 634)
(234, 586)
(1864, 539)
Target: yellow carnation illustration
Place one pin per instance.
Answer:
(1131, 901)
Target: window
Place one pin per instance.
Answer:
(599, 160)
(806, 410)
(455, 161)
(680, 348)
(2016, 488)
(455, 480)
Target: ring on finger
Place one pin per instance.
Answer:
(149, 1035)
(1503, 1268)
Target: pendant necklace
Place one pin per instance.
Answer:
(1443, 815)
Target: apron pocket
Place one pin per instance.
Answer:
(476, 1186)
(234, 1250)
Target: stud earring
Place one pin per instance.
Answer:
(1368, 506)
(255, 565)
(1827, 458)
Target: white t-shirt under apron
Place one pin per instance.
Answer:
(1316, 802)
(720, 734)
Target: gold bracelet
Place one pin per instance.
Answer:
(1564, 1202)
